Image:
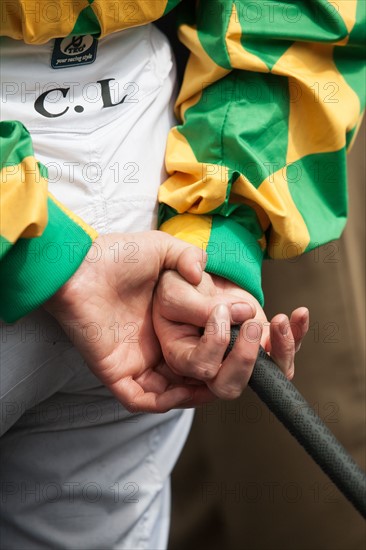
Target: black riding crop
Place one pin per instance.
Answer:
(290, 407)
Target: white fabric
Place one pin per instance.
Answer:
(105, 164)
(77, 470)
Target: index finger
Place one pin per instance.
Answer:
(179, 301)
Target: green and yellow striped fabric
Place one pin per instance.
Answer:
(41, 242)
(272, 97)
(271, 101)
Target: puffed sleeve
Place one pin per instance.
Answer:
(271, 100)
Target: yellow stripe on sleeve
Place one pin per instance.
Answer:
(23, 205)
(190, 228)
(93, 234)
(317, 124)
(117, 15)
(36, 22)
(240, 58)
(193, 186)
(347, 9)
(200, 73)
(274, 199)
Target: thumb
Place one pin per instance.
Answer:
(187, 259)
(179, 301)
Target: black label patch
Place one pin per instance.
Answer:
(73, 51)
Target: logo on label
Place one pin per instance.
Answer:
(73, 51)
(76, 44)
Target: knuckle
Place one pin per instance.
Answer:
(248, 359)
(132, 407)
(229, 393)
(206, 372)
(169, 295)
(165, 294)
(161, 409)
(200, 369)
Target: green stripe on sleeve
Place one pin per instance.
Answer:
(34, 269)
(212, 23)
(170, 5)
(15, 143)
(318, 186)
(350, 58)
(241, 122)
(350, 62)
(5, 246)
(315, 20)
(165, 213)
(235, 254)
(86, 23)
(358, 33)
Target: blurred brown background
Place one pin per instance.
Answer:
(242, 481)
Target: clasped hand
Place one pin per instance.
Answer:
(164, 293)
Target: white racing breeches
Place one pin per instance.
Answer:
(77, 470)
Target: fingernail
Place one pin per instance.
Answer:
(290, 373)
(221, 311)
(199, 267)
(240, 312)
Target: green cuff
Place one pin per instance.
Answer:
(235, 254)
(34, 269)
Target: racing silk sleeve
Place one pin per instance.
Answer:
(41, 242)
(271, 100)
